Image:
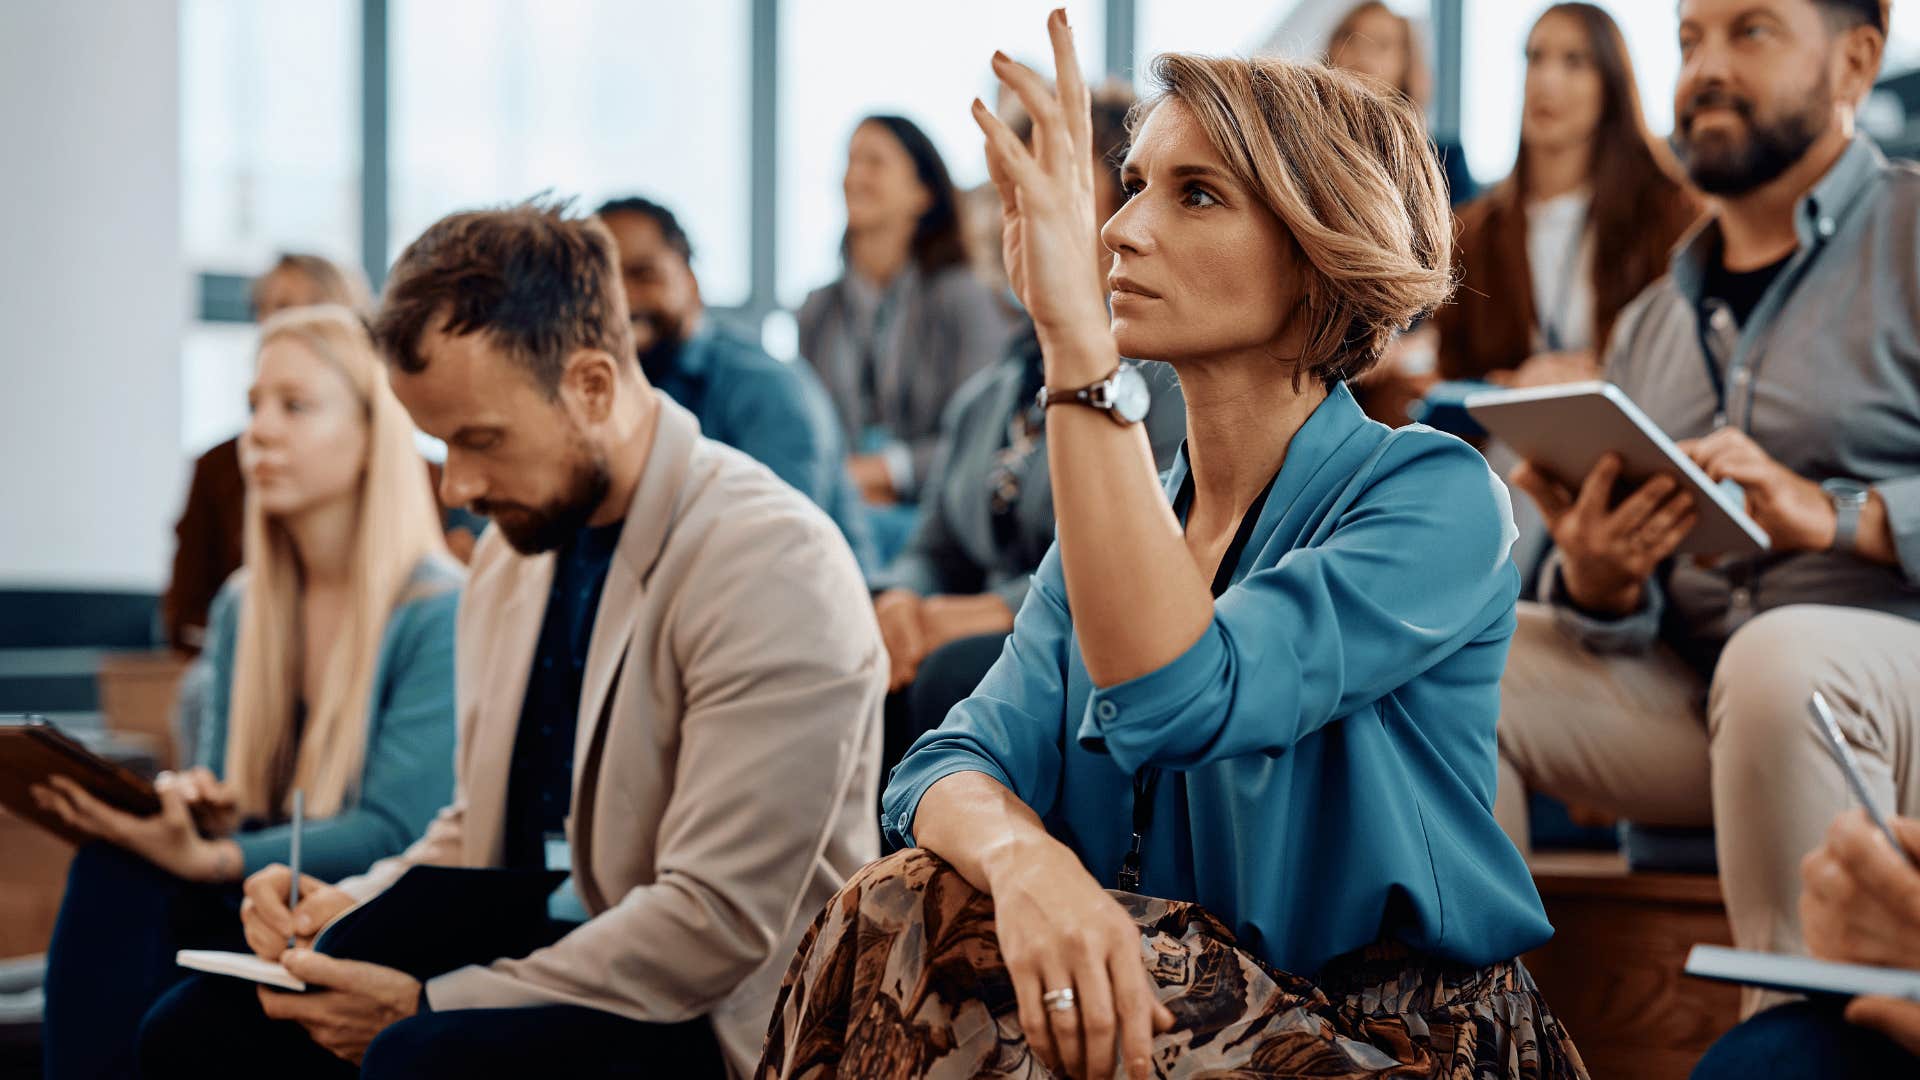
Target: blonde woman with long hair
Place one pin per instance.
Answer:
(331, 656)
(1224, 806)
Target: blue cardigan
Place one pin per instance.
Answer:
(408, 775)
(1327, 745)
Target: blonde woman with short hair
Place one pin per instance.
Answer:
(1224, 805)
(331, 656)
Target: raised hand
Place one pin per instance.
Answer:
(1047, 191)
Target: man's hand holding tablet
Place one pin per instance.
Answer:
(1607, 550)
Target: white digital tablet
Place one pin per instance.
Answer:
(1800, 974)
(1565, 430)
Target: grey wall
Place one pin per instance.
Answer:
(93, 294)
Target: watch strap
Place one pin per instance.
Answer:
(1846, 523)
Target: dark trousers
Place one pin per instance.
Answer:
(1805, 1040)
(121, 920)
(946, 677)
(210, 1028)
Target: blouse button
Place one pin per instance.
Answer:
(1106, 710)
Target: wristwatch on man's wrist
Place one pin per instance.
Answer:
(1123, 395)
(1849, 498)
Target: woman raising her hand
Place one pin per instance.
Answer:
(1224, 803)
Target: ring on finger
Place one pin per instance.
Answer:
(1061, 1000)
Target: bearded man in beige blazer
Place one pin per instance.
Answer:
(724, 756)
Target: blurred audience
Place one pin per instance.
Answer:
(907, 323)
(1672, 690)
(947, 601)
(778, 414)
(331, 673)
(207, 536)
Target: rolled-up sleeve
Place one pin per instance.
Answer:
(1010, 728)
(1902, 499)
(1627, 634)
(1332, 626)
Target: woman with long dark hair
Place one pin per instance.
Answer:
(907, 322)
(1549, 257)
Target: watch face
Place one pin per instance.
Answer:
(1845, 490)
(1131, 396)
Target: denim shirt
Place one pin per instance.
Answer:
(1327, 745)
(1824, 376)
(777, 414)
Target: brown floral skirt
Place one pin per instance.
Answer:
(901, 976)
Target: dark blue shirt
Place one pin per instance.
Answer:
(777, 414)
(540, 777)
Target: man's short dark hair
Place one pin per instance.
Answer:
(1844, 15)
(670, 230)
(539, 282)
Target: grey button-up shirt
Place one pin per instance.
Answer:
(1825, 377)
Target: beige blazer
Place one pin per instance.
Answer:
(726, 757)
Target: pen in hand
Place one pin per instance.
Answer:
(293, 858)
(1843, 755)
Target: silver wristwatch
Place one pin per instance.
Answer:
(1123, 395)
(1849, 498)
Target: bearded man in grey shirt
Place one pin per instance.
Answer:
(1783, 349)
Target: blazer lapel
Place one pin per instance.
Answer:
(516, 634)
(650, 519)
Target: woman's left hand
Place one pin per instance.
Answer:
(1047, 192)
(168, 839)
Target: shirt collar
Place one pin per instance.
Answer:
(1816, 216)
(1332, 423)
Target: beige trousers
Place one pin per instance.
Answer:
(1639, 737)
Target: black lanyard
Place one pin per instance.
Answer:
(1147, 781)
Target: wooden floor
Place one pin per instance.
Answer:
(1612, 971)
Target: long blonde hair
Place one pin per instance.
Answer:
(398, 526)
(1349, 171)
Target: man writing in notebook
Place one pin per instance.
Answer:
(1783, 349)
(669, 682)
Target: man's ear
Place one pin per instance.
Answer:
(589, 384)
(1861, 50)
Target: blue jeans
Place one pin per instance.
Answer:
(121, 920)
(1806, 1040)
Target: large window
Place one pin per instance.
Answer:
(269, 130)
(844, 59)
(497, 100)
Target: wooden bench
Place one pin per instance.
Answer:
(1612, 972)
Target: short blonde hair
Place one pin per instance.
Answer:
(1349, 171)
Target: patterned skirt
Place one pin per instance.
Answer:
(901, 976)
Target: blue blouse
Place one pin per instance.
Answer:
(1327, 745)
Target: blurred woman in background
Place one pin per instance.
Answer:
(330, 658)
(207, 536)
(906, 323)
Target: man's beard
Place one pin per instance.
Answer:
(664, 335)
(1731, 165)
(532, 531)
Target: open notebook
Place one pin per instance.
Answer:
(432, 920)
